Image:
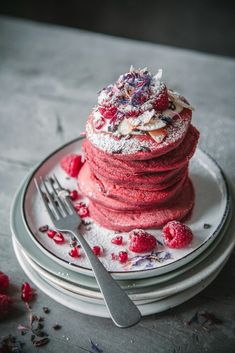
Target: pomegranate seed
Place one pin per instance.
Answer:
(74, 252)
(82, 209)
(58, 238)
(97, 250)
(51, 233)
(117, 240)
(4, 281)
(74, 195)
(123, 256)
(27, 293)
(26, 287)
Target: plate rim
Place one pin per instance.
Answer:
(88, 271)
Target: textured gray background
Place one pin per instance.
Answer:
(49, 78)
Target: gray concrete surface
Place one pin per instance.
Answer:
(49, 78)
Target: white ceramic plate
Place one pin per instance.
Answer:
(212, 209)
(75, 290)
(66, 299)
(81, 281)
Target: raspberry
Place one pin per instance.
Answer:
(71, 164)
(177, 235)
(161, 102)
(141, 241)
(4, 281)
(82, 210)
(108, 112)
(117, 240)
(123, 257)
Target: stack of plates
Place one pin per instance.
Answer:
(155, 283)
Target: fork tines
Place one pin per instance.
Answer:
(55, 198)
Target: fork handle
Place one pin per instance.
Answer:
(122, 310)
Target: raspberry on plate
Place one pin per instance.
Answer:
(141, 241)
(71, 164)
(177, 235)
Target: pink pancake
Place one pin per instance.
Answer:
(140, 147)
(148, 182)
(174, 159)
(120, 198)
(154, 218)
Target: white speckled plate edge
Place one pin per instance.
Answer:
(92, 309)
(18, 231)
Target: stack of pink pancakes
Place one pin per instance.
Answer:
(137, 154)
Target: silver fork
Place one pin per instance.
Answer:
(122, 310)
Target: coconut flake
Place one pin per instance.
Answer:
(178, 99)
(154, 124)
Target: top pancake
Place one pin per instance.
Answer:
(141, 146)
(176, 158)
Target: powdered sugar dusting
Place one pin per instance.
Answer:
(107, 143)
(131, 144)
(176, 131)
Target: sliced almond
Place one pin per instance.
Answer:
(142, 119)
(125, 127)
(154, 124)
(158, 135)
(176, 97)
